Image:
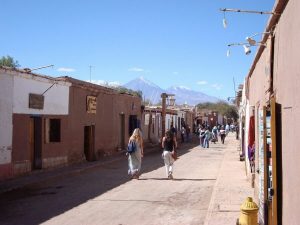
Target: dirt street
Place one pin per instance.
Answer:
(105, 195)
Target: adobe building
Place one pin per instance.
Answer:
(151, 123)
(271, 115)
(31, 108)
(100, 120)
(48, 122)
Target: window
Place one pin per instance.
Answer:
(52, 130)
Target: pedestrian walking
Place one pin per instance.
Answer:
(182, 132)
(169, 153)
(202, 136)
(222, 134)
(215, 134)
(173, 131)
(207, 138)
(188, 131)
(135, 157)
(227, 128)
(251, 157)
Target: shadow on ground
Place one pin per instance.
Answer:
(46, 198)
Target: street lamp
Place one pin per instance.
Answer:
(164, 96)
(250, 42)
(171, 100)
(244, 11)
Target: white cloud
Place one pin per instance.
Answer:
(202, 82)
(184, 87)
(106, 83)
(136, 69)
(217, 86)
(114, 83)
(63, 69)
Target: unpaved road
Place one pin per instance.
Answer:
(104, 195)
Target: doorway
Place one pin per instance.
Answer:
(89, 142)
(133, 123)
(274, 162)
(35, 140)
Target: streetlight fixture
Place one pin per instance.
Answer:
(250, 42)
(244, 11)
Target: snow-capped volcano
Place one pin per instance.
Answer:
(183, 94)
(150, 90)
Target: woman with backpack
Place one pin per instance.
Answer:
(169, 154)
(135, 153)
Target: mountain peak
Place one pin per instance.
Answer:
(183, 94)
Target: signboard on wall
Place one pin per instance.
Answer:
(36, 101)
(91, 104)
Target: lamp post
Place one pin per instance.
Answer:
(164, 97)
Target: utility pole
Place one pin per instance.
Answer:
(90, 73)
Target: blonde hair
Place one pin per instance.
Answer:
(136, 135)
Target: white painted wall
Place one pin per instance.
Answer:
(56, 99)
(6, 104)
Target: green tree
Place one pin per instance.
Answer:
(9, 61)
(129, 91)
(222, 107)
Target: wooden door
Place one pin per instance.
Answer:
(89, 142)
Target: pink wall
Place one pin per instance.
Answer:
(287, 87)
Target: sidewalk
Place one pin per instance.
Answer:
(231, 187)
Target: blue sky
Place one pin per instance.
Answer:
(169, 42)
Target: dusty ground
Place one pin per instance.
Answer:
(105, 195)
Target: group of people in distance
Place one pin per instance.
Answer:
(169, 145)
(206, 134)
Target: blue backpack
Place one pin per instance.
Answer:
(131, 147)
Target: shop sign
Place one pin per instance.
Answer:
(36, 101)
(91, 104)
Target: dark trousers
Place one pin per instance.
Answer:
(223, 138)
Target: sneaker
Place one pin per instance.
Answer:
(170, 176)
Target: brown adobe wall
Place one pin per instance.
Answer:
(106, 120)
(53, 154)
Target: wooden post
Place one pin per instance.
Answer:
(163, 114)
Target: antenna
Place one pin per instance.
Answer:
(91, 73)
(38, 68)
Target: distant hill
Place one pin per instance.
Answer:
(152, 92)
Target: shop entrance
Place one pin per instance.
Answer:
(273, 163)
(89, 142)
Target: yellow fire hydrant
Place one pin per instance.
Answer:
(248, 214)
